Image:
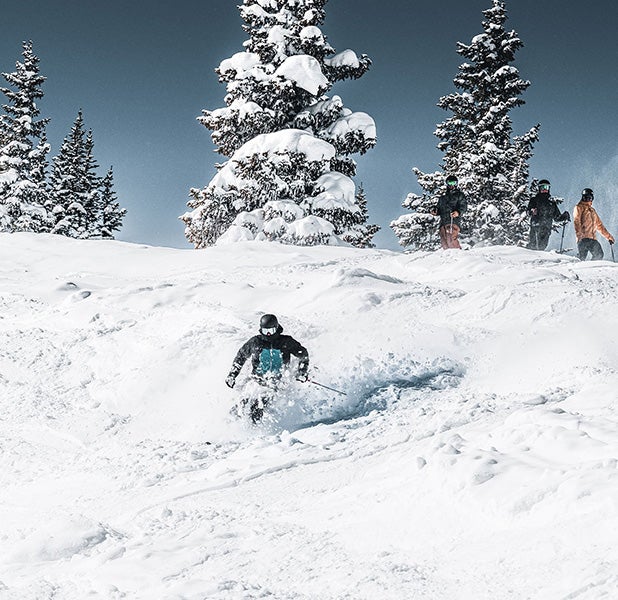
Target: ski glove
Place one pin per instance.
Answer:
(302, 377)
(230, 380)
(565, 216)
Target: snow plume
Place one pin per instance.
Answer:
(467, 434)
(603, 180)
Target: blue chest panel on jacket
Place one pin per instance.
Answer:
(271, 361)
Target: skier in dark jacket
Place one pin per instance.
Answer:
(543, 211)
(270, 354)
(450, 207)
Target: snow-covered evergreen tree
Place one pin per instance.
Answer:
(92, 203)
(490, 163)
(23, 149)
(361, 235)
(83, 204)
(70, 187)
(288, 143)
(111, 214)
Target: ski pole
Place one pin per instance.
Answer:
(562, 238)
(328, 388)
(611, 247)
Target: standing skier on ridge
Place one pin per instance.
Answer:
(587, 222)
(543, 211)
(270, 353)
(450, 207)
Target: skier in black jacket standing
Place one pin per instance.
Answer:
(270, 353)
(543, 211)
(450, 208)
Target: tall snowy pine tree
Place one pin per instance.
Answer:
(288, 176)
(492, 166)
(23, 150)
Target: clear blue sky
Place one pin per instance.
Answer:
(142, 73)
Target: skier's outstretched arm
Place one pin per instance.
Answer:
(298, 350)
(241, 358)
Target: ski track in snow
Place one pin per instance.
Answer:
(475, 456)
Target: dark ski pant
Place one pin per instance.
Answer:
(539, 236)
(589, 245)
(260, 395)
(448, 237)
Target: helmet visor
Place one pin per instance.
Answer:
(544, 187)
(269, 330)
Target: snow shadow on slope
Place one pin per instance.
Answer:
(365, 392)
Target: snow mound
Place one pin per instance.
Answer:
(459, 430)
(305, 72)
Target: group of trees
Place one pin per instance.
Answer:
(73, 200)
(288, 174)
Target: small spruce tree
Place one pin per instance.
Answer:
(361, 236)
(70, 187)
(111, 214)
(82, 203)
(92, 200)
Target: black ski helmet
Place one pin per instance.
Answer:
(269, 322)
(451, 180)
(588, 194)
(544, 182)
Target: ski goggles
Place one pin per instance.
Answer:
(544, 187)
(451, 182)
(588, 198)
(269, 331)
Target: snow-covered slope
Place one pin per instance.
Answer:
(474, 456)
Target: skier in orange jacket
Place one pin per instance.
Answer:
(587, 223)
